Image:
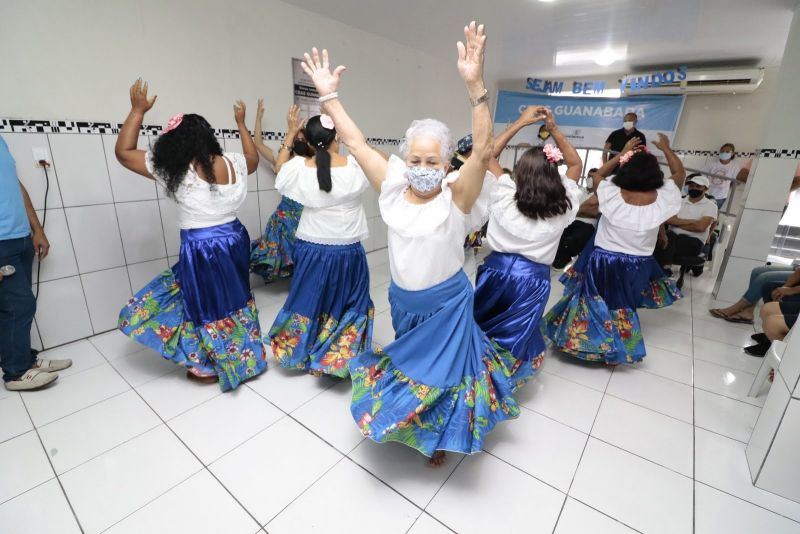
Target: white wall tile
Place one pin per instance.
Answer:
(249, 216)
(21, 146)
(95, 236)
(381, 238)
(142, 233)
(781, 469)
(771, 180)
(82, 170)
(61, 313)
(266, 176)
(268, 201)
(735, 278)
(766, 426)
(60, 261)
(127, 185)
(106, 293)
(172, 230)
(142, 273)
(755, 233)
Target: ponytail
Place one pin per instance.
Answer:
(320, 133)
(323, 160)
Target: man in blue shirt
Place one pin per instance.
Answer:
(21, 237)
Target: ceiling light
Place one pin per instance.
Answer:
(604, 56)
(547, 1)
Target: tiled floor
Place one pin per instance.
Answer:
(123, 443)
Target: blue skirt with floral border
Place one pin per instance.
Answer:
(271, 254)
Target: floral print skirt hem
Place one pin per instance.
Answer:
(271, 255)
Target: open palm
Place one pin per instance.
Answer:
(319, 70)
(470, 56)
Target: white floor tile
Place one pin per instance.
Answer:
(426, 524)
(83, 354)
(724, 416)
(666, 317)
(651, 435)
(590, 374)
(169, 513)
(382, 331)
(722, 332)
(461, 504)
(725, 355)
(667, 339)
(651, 391)
(667, 364)
(115, 344)
(14, 418)
(79, 437)
(539, 446)
(272, 469)
(718, 512)
(577, 518)
(119, 482)
(328, 416)
(609, 479)
(23, 464)
(380, 297)
(318, 509)
(288, 389)
(725, 381)
(72, 393)
(565, 401)
(720, 462)
(141, 367)
(404, 469)
(219, 425)
(42, 510)
(174, 393)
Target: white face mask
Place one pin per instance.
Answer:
(628, 125)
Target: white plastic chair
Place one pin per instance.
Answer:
(772, 360)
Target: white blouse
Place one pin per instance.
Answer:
(513, 232)
(335, 218)
(201, 204)
(426, 241)
(633, 229)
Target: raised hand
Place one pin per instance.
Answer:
(470, 56)
(532, 114)
(662, 143)
(632, 143)
(320, 73)
(293, 120)
(260, 110)
(139, 100)
(549, 119)
(238, 111)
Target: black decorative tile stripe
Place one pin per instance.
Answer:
(708, 153)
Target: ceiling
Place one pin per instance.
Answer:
(524, 35)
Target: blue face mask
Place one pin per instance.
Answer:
(725, 156)
(424, 179)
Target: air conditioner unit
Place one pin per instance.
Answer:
(701, 81)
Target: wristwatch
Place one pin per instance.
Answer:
(481, 99)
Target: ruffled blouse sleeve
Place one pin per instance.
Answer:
(151, 168)
(638, 218)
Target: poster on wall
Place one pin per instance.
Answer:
(587, 122)
(305, 94)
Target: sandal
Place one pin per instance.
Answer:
(718, 313)
(736, 318)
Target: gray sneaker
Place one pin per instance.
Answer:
(51, 366)
(33, 379)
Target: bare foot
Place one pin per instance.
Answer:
(202, 379)
(438, 459)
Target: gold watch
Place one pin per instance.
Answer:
(481, 99)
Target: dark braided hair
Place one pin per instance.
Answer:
(320, 138)
(192, 140)
(540, 193)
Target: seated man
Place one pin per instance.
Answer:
(577, 234)
(689, 229)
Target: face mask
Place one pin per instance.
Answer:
(725, 156)
(424, 179)
(695, 193)
(300, 148)
(628, 125)
(544, 135)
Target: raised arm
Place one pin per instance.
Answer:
(675, 164)
(127, 154)
(609, 166)
(293, 126)
(326, 82)
(248, 146)
(470, 66)
(258, 134)
(571, 158)
(530, 115)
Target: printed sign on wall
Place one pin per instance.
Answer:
(305, 94)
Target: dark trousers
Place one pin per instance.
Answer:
(677, 245)
(574, 238)
(17, 308)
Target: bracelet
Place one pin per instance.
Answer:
(329, 96)
(287, 147)
(480, 100)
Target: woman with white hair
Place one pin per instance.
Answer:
(442, 385)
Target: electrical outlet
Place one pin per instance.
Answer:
(40, 153)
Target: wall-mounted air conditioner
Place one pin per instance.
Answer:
(697, 81)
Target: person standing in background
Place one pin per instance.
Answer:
(618, 138)
(21, 237)
(725, 167)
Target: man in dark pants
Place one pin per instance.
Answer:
(21, 237)
(689, 229)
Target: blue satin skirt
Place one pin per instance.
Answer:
(441, 384)
(510, 298)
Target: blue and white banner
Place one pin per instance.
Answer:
(587, 122)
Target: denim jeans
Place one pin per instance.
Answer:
(17, 308)
(760, 277)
